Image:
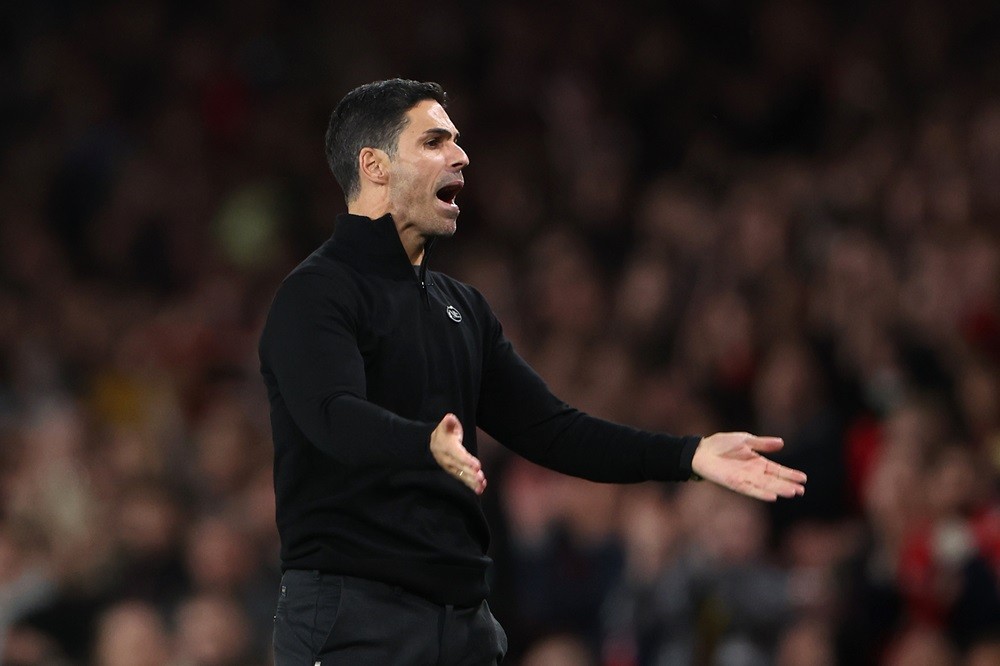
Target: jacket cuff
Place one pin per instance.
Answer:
(689, 446)
(418, 443)
(425, 440)
(669, 458)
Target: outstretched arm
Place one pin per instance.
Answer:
(518, 410)
(733, 460)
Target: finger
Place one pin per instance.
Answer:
(476, 481)
(768, 487)
(472, 466)
(757, 492)
(452, 425)
(767, 444)
(789, 474)
(771, 481)
(462, 459)
(786, 488)
(772, 468)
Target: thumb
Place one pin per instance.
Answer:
(768, 444)
(452, 425)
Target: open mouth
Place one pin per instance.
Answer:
(448, 193)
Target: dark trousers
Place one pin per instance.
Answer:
(331, 620)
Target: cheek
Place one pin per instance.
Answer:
(407, 186)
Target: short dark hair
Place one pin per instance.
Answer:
(372, 115)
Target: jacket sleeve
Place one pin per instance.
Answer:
(310, 348)
(517, 409)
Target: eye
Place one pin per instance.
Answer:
(433, 143)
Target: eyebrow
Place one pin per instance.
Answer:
(440, 131)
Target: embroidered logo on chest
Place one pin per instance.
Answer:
(454, 313)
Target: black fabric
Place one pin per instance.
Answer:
(362, 359)
(335, 620)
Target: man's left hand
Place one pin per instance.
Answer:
(733, 460)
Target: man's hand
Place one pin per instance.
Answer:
(447, 449)
(731, 459)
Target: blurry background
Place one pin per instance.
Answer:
(779, 216)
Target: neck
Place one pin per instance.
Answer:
(413, 242)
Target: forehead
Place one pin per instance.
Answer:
(426, 115)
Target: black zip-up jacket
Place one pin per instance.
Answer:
(362, 358)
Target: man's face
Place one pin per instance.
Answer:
(425, 175)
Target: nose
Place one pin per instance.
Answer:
(460, 160)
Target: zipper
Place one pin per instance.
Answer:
(423, 275)
(423, 283)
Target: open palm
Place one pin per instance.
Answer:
(733, 460)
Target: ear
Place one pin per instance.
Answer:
(373, 165)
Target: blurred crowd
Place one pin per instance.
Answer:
(780, 216)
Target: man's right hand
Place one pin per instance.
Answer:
(447, 449)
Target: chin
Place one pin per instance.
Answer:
(446, 227)
(439, 231)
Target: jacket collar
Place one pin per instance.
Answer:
(370, 246)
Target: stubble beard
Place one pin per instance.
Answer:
(427, 218)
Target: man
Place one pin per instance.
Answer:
(378, 372)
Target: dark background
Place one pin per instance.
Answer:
(775, 216)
